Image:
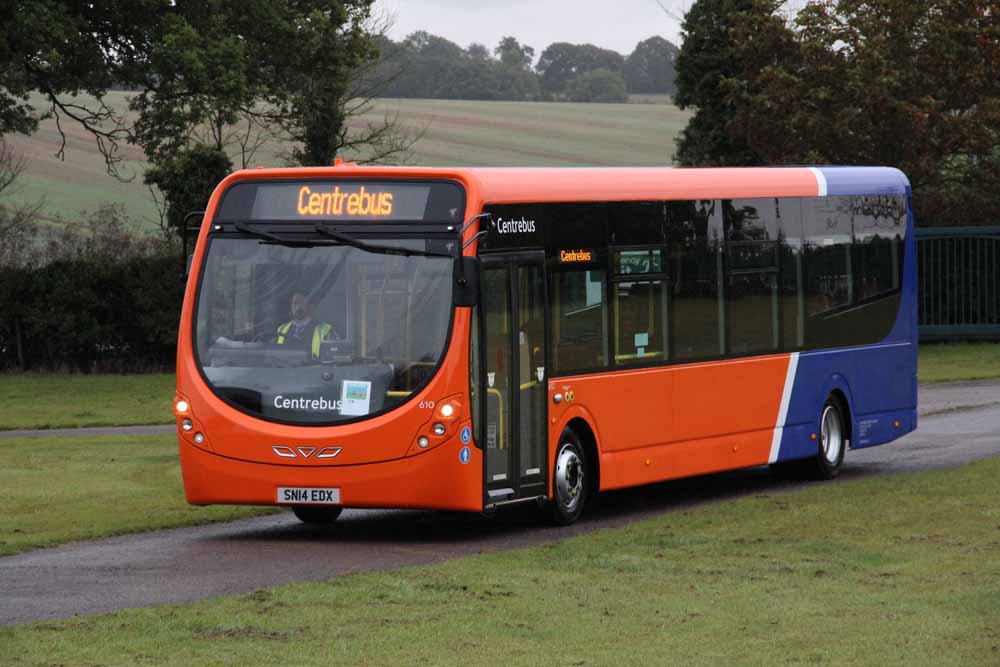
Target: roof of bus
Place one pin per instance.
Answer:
(627, 183)
(537, 184)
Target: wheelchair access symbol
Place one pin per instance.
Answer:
(464, 455)
(466, 435)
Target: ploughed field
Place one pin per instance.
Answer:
(454, 133)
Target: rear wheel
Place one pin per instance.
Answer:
(569, 480)
(316, 515)
(832, 440)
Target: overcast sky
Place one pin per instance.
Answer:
(617, 25)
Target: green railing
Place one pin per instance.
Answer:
(958, 283)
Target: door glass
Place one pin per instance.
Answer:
(531, 371)
(496, 313)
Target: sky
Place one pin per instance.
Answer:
(618, 25)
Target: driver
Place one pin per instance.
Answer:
(303, 331)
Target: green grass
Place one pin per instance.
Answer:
(902, 569)
(56, 490)
(945, 362)
(456, 133)
(68, 401)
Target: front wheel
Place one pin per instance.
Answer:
(316, 515)
(569, 481)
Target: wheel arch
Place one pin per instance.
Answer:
(588, 438)
(838, 388)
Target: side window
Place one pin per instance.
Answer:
(791, 297)
(826, 227)
(639, 287)
(695, 235)
(879, 231)
(752, 304)
(579, 319)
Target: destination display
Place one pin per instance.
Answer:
(340, 200)
(344, 201)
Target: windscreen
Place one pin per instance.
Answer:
(321, 333)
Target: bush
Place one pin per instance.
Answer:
(90, 297)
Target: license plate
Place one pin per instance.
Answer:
(308, 496)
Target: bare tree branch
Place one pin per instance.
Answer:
(93, 121)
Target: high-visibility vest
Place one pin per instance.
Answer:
(320, 332)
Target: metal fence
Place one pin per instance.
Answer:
(958, 283)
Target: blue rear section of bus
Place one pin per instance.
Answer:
(878, 381)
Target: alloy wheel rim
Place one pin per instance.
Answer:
(831, 435)
(569, 478)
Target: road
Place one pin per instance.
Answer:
(959, 423)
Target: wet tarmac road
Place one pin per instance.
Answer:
(194, 563)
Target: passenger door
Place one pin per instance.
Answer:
(514, 376)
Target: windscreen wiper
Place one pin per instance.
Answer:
(274, 238)
(382, 249)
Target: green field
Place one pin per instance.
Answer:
(33, 401)
(56, 490)
(455, 133)
(901, 569)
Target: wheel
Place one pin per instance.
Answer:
(832, 440)
(317, 515)
(569, 480)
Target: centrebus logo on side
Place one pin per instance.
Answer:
(522, 226)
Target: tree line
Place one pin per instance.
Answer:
(428, 66)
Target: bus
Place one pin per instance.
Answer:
(466, 339)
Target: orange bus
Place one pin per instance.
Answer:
(463, 339)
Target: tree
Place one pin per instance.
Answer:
(599, 85)
(428, 66)
(708, 58)
(515, 78)
(885, 82)
(63, 48)
(513, 55)
(187, 178)
(650, 67)
(221, 75)
(562, 62)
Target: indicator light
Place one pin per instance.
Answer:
(439, 429)
(187, 425)
(447, 410)
(182, 406)
(199, 438)
(423, 442)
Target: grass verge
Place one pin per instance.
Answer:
(946, 362)
(33, 401)
(902, 569)
(55, 490)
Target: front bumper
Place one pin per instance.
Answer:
(436, 479)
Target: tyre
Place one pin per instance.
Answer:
(317, 515)
(569, 480)
(832, 440)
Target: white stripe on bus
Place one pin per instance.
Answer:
(786, 397)
(820, 181)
